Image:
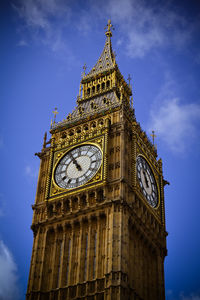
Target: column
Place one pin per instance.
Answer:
(52, 259)
(33, 261)
(42, 258)
(80, 247)
(60, 283)
(89, 249)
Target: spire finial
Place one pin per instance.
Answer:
(153, 136)
(109, 27)
(129, 80)
(55, 112)
(84, 69)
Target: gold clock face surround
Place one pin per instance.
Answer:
(77, 166)
(147, 181)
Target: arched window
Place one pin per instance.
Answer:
(86, 127)
(71, 133)
(63, 136)
(103, 86)
(101, 122)
(78, 130)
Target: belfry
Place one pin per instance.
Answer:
(99, 216)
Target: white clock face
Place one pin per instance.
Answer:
(78, 166)
(147, 181)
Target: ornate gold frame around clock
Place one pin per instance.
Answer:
(156, 180)
(53, 191)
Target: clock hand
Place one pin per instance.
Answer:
(78, 166)
(145, 177)
(76, 163)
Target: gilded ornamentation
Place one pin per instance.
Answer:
(87, 229)
(54, 189)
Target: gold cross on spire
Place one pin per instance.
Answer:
(55, 112)
(153, 136)
(109, 27)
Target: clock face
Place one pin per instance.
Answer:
(147, 181)
(78, 166)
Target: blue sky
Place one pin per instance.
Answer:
(44, 45)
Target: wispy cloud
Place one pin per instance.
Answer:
(41, 14)
(144, 26)
(174, 120)
(22, 43)
(192, 296)
(8, 275)
(2, 205)
(175, 123)
(147, 26)
(31, 172)
(44, 23)
(182, 296)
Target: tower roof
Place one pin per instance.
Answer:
(102, 89)
(106, 60)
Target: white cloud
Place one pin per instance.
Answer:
(22, 43)
(175, 123)
(30, 171)
(144, 26)
(148, 27)
(181, 296)
(8, 275)
(169, 292)
(192, 296)
(2, 205)
(44, 23)
(83, 25)
(40, 13)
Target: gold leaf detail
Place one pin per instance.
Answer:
(97, 177)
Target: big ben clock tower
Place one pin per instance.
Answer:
(99, 219)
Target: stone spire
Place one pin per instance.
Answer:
(107, 59)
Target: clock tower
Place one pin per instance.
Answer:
(99, 218)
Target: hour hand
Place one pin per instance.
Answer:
(76, 164)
